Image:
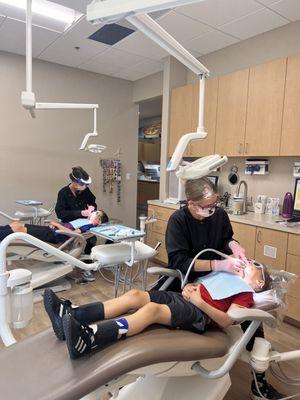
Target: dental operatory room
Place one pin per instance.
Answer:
(150, 199)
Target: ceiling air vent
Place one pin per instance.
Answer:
(111, 34)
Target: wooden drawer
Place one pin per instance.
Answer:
(162, 252)
(293, 265)
(245, 235)
(294, 245)
(160, 226)
(271, 247)
(158, 212)
(293, 310)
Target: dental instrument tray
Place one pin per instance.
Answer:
(116, 232)
(29, 202)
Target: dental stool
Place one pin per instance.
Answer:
(114, 255)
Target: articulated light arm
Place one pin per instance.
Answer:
(28, 97)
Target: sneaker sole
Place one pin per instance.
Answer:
(67, 326)
(49, 306)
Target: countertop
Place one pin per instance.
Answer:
(251, 218)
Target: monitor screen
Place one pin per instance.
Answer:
(213, 179)
(296, 210)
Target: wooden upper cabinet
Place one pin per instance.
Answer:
(231, 113)
(206, 146)
(265, 108)
(181, 109)
(290, 140)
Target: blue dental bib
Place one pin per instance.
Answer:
(221, 285)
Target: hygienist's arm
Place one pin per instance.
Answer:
(220, 317)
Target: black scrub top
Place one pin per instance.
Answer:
(186, 236)
(68, 207)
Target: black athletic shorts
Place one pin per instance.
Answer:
(183, 314)
(5, 231)
(44, 233)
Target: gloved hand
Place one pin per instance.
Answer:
(87, 213)
(232, 265)
(237, 250)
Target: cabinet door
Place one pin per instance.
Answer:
(231, 113)
(181, 110)
(245, 235)
(207, 146)
(290, 139)
(271, 247)
(265, 108)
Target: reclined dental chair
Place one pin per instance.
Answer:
(159, 364)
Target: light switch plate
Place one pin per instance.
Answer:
(270, 251)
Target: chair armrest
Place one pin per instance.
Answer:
(174, 273)
(249, 314)
(72, 236)
(9, 217)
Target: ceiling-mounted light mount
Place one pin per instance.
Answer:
(28, 97)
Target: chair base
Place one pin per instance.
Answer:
(175, 388)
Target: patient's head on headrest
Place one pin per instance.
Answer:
(98, 217)
(257, 276)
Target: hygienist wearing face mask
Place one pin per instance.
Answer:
(76, 201)
(198, 226)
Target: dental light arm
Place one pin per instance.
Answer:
(28, 99)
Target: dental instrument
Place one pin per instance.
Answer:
(28, 99)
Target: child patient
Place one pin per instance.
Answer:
(197, 306)
(49, 233)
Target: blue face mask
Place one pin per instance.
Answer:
(221, 285)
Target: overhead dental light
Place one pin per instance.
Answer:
(28, 97)
(135, 11)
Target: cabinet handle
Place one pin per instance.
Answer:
(246, 148)
(258, 237)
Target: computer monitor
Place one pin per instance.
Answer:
(296, 208)
(213, 179)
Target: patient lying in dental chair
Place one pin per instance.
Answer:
(198, 306)
(49, 233)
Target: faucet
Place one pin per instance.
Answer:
(245, 194)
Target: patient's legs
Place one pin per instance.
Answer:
(82, 338)
(18, 227)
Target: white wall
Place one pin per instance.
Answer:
(148, 88)
(37, 154)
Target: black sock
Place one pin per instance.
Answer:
(89, 313)
(107, 333)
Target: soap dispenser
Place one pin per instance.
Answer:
(287, 208)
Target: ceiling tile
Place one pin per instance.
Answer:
(101, 68)
(13, 33)
(266, 2)
(115, 57)
(211, 42)
(183, 28)
(219, 12)
(79, 5)
(63, 51)
(287, 8)
(81, 30)
(138, 43)
(254, 24)
(148, 67)
(129, 74)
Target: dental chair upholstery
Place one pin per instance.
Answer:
(54, 376)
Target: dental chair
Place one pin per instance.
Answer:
(159, 364)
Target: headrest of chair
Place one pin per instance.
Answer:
(275, 297)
